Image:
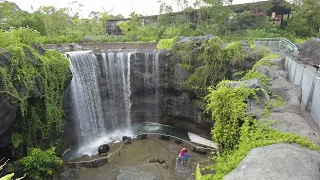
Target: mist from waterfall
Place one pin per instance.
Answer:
(85, 96)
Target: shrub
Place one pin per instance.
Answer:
(236, 52)
(40, 164)
(167, 43)
(20, 35)
(177, 30)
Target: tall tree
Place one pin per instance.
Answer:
(164, 7)
(219, 16)
(306, 17)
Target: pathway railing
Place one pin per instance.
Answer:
(277, 44)
(301, 73)
(103, 160)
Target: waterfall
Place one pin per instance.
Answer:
(85, 96)
(156, 77)
(117, 70)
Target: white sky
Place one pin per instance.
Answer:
(124, 7)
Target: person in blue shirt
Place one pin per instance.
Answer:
(185, 157)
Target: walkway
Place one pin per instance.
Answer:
(135, 162)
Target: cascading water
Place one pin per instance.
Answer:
(100, 96)
(85, 96)
(156, 77)
(117, 70)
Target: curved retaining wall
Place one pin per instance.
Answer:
(195, 147)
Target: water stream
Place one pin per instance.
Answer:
(85, 96)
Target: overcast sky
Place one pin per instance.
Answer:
(124, 7)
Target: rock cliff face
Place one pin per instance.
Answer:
(10, 113)
(156, 91)
(8, 108)
(148, 88)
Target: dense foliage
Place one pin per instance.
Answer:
(167, 43)
(236, 131)
(58, 25)
(32, 73)
(209, 63)
(40, 164)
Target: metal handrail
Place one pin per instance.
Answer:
(295, 48)
(282, 42)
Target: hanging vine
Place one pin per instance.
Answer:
(29, 73)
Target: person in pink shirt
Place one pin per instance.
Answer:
(181, 155)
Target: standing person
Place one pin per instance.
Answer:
(185, 158)
(181, 155)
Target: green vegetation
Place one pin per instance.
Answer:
(167, 43)
(40, 164)
(37, 82)
(210, 64)
(235, 131)
(236, 52)
(41, 74)
(62, 25)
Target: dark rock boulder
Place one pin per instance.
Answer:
(103, 148)
(127, 139)
(124, 138)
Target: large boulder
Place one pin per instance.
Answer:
(280, 86)
(292, 123)
(103, 148)
(278, 161)
(310, 49)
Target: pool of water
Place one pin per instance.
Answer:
(116, 136)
